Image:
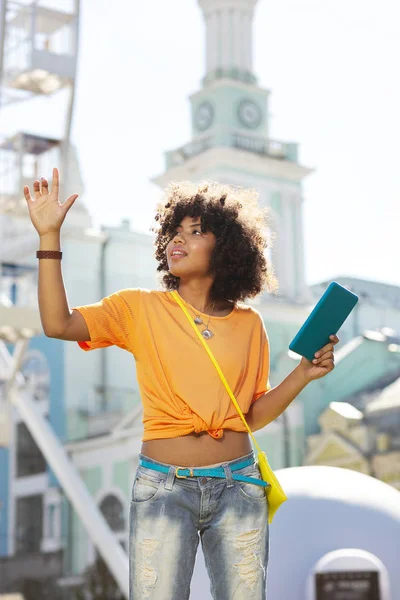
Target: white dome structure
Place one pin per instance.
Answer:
(334, 520)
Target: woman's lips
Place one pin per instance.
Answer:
(178, 256)
(175, 256)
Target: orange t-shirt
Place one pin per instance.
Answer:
(180, 388)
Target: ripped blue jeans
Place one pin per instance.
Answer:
(168, 516)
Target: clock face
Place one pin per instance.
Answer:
(249, 114)
(204, 116)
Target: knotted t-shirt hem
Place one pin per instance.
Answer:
(167, 433)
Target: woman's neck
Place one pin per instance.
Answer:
(201, 300)
(197, 291)
(198, 298)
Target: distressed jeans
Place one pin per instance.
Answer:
(169, 515)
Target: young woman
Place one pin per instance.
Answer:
(210, 245)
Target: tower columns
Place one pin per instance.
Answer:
(229, 34)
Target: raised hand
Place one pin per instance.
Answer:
(45, 211)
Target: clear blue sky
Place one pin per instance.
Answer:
(331, 67)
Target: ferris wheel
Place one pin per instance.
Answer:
(38, 62)
(39, 42)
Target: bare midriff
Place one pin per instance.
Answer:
(198, 449)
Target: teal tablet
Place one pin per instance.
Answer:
(326, 318)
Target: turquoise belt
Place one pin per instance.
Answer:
(184, 472)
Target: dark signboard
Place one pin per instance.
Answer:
(347, 585)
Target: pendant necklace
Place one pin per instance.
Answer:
(206, 333)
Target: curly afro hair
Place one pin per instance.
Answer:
(238, 263)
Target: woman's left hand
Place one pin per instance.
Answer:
(323, 363)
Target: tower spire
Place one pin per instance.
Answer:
(229, 39)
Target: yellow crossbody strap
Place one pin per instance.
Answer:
(275, 494)
(216, 365)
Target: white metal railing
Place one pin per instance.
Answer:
(266, 146)
(100, 400)
(66, 472)
(37, 28)
(99, 411)
(23, 158)
(251, 143)
(16, 58)
(180, 155)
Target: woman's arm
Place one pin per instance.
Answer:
(47, 216)
(270, 405)
(57, 319)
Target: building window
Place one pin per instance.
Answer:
(51, 513)
(37, 374)
(30, 460)
(113, 512)
(29, 524)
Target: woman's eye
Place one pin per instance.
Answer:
(174, 233)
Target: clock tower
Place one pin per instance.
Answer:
(231, 141)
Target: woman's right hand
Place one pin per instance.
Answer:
(46, 212)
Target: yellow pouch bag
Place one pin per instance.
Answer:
(274, 493)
